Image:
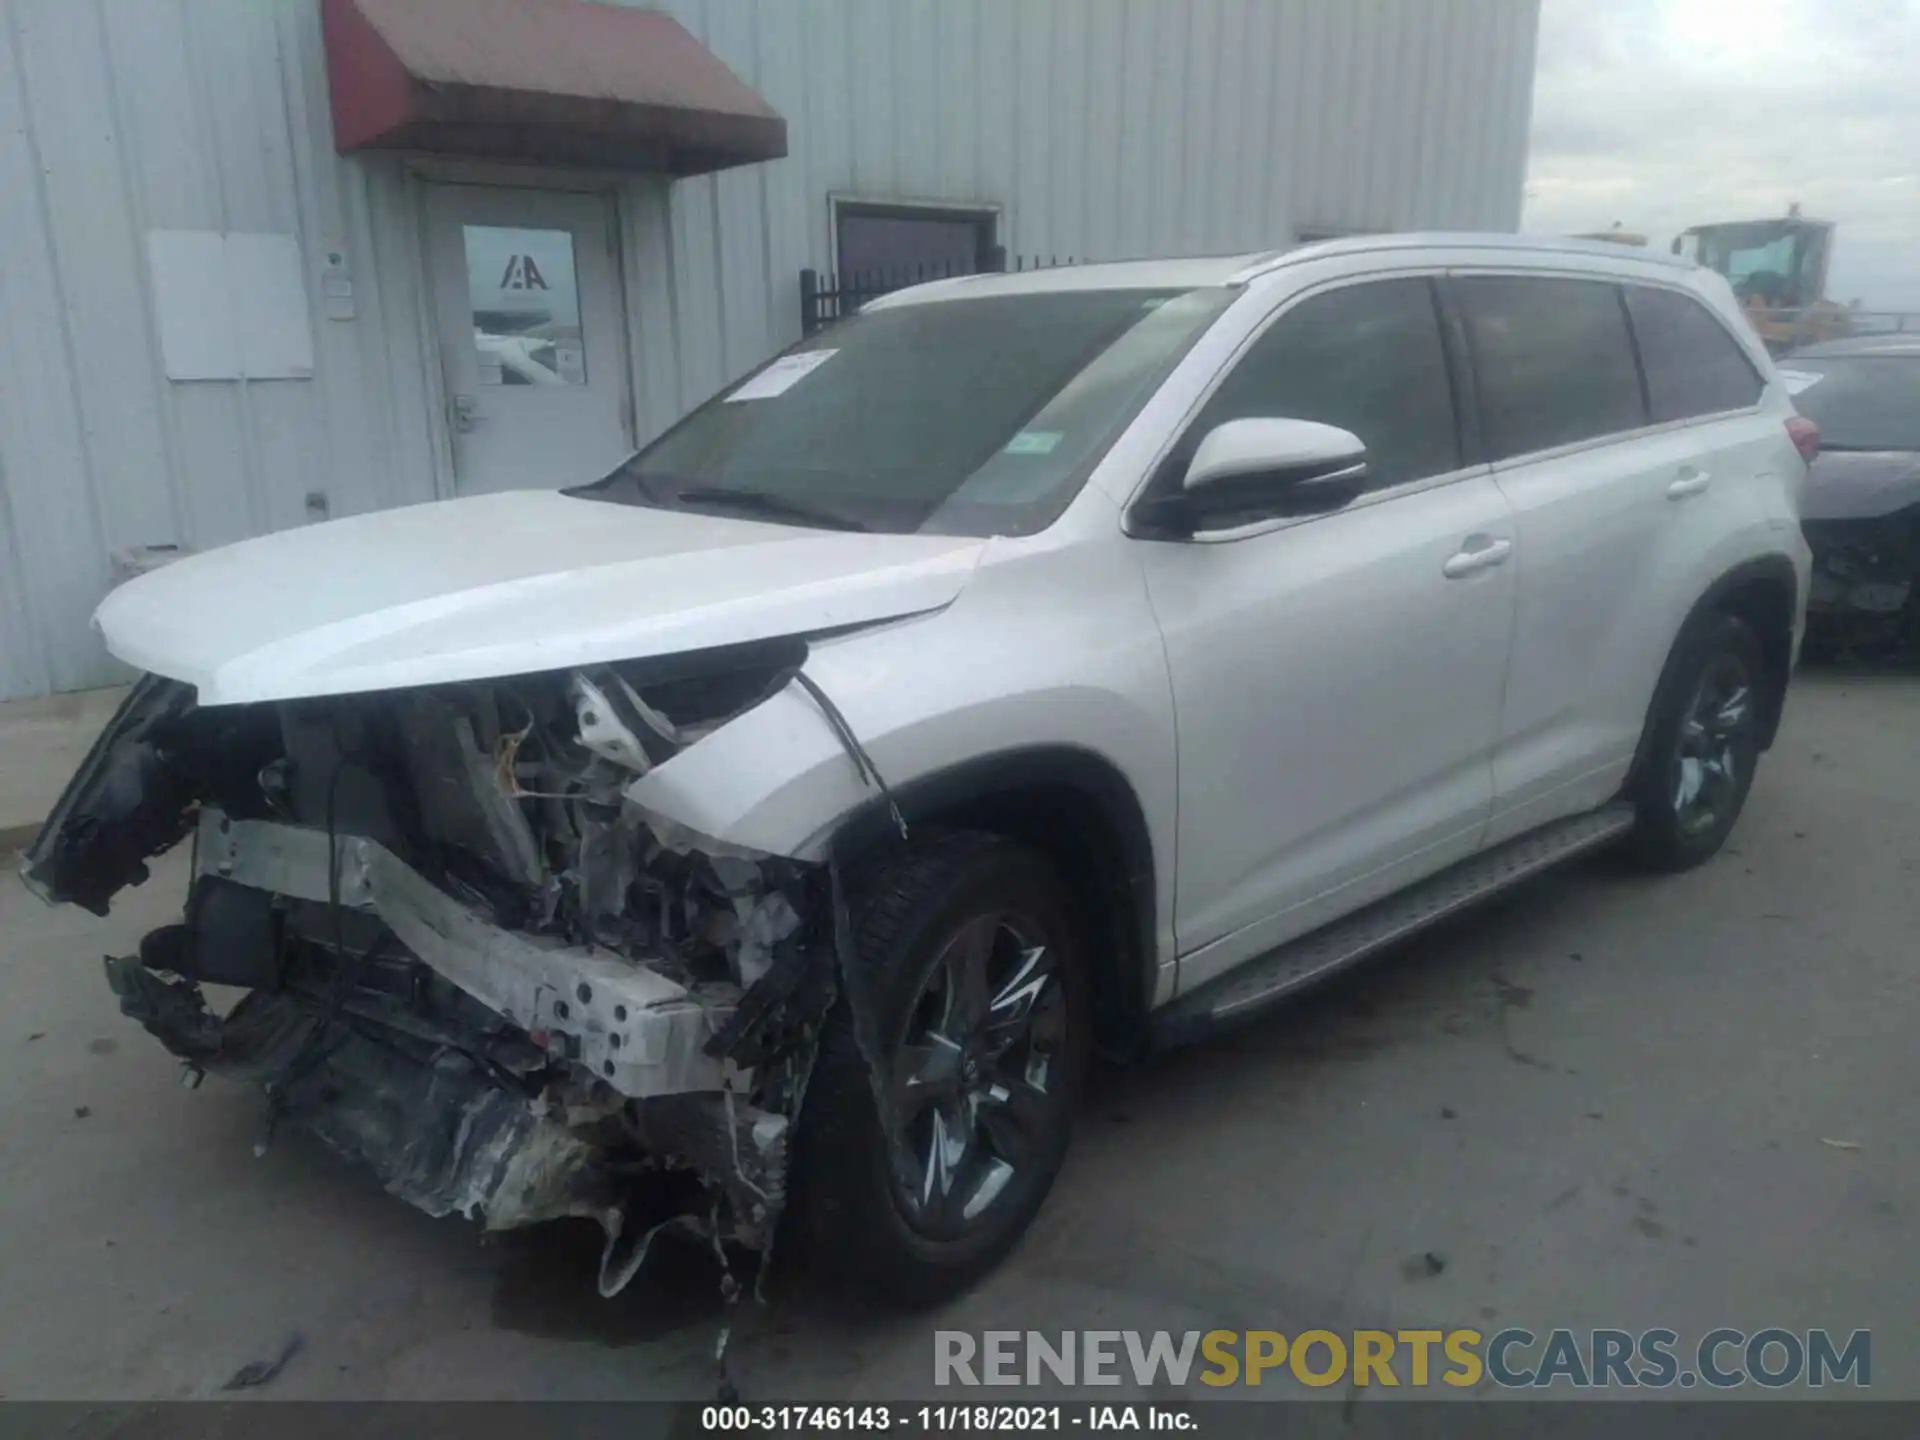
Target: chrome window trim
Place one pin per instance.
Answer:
(1612, 437)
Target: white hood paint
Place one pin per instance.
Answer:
(505, 584)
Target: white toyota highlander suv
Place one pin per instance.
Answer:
(762, 837)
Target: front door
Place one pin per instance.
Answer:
(527, 294)
(1336, 680)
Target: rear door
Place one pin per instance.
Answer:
(1621, 480)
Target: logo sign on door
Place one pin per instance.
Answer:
(523, 273)
(526, 306)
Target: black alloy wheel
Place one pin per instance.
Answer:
(1714, 746)
(978, 1073)
(968, 944)
(1702, 744)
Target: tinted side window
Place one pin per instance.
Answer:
(1693, 366)
(1367, 358)
(1554, 361)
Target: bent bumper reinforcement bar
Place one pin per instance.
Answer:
(636, 1029)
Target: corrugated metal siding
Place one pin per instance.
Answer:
(1098, 129)
(120, 116)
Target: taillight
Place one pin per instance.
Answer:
(1805, 436)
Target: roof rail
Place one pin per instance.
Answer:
(1452, 240)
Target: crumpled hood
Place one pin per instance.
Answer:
(1861, 484)
(506, 584)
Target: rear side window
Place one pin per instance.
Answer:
(1693, 366)
(1367, 358)
(1554, 361)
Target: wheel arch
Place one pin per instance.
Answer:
(1764, 592)
(1075, 806)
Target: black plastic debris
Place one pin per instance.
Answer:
(256, 1373)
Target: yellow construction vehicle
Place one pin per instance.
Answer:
(1778, 268)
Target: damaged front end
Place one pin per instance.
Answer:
(1865, 598)
(1861, 518)
(467, 958)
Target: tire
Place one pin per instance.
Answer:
(901, 1233)
(1701, 747)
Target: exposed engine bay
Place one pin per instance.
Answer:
(466, 958)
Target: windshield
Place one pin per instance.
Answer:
(969, 417)
(1860, 402)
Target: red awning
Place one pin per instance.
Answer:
(550, 82)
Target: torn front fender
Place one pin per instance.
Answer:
(768, 782)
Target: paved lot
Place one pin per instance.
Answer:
(41, 741)
(1603, 1101)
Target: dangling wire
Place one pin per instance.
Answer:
(862, 761)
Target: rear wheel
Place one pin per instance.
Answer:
(1702, 745)
(977, 983)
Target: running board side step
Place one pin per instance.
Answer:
(1266, 979)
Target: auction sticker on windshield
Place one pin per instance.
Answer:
(782, 375)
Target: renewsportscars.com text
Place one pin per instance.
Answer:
(1513, 1358)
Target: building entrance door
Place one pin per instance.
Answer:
(527, 296)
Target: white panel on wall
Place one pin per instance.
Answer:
(197, 338)
(230, 307)
(267, 288)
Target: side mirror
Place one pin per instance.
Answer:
(1265, 469)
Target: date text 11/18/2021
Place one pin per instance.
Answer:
(943, 1419)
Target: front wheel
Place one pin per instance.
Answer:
(977, 982)
(1702, 745)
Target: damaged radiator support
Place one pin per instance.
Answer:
(651, 1064)
(625, 1023)
(471, 959)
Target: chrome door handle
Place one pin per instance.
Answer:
(1691, 482)
(1484, 555)
(466, 413)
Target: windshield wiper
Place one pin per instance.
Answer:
(765, 502)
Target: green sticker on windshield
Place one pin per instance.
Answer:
(1034, 442)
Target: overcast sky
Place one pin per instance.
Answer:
(1661, 114)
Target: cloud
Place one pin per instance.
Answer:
(1661, 114)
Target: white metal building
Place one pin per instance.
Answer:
(263, 262)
